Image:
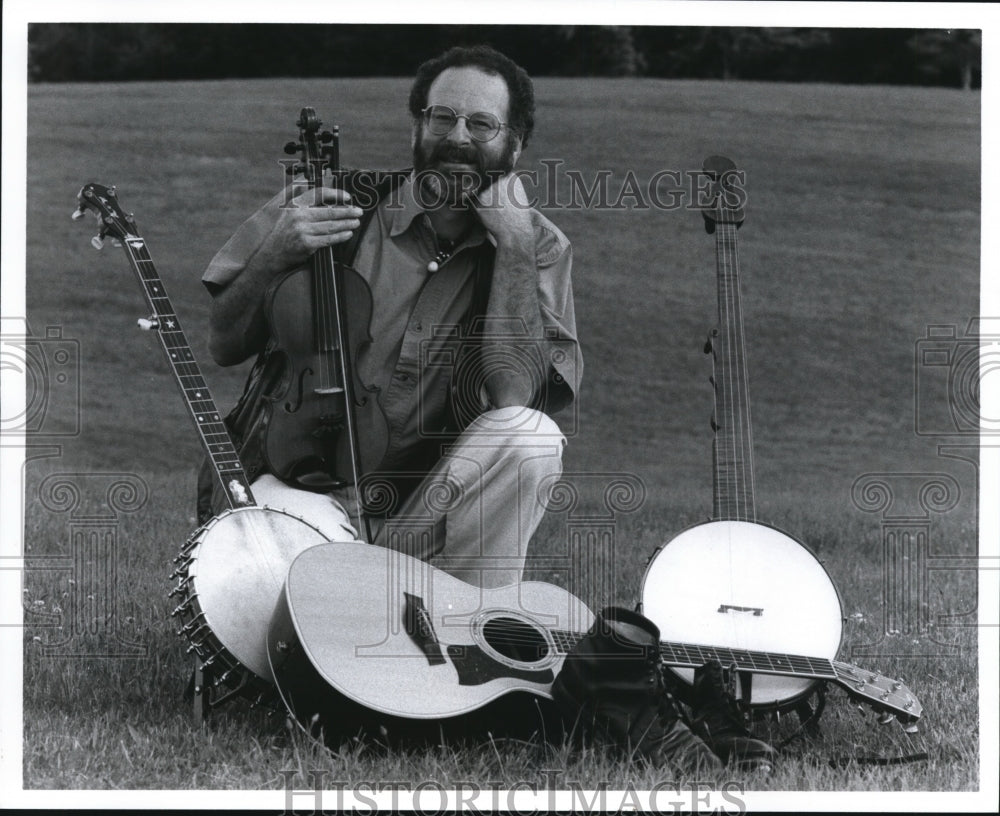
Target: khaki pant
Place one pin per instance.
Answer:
(474, 513)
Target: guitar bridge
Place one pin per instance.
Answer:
(417, 621)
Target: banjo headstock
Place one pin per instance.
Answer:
(726, 203)
(112, 220)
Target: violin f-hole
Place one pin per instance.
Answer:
(293, 407)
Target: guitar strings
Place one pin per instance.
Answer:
(890, 694)
(694, 654)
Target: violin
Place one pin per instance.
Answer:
(324, 427)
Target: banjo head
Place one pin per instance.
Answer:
(238, 569)
(743, 585)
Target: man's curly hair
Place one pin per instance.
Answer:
(521, 117)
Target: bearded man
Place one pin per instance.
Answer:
(472, 348)
(452, 255)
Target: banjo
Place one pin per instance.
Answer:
(230, 571)
(734, 582)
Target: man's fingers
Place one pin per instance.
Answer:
(329, 213)
(327, 226)
(322, 195)
(314, 242)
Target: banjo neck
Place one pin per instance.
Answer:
(732, 446)
(187, 373)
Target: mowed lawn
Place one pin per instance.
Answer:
(862, 231)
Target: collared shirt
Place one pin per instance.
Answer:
(418, 314)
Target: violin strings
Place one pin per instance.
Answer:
(322, 307)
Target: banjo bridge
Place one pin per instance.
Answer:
(725, 608)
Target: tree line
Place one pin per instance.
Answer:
(95, 52)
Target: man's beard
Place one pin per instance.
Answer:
(438, 187)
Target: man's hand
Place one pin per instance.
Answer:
(504, 210)
(237, 317)
(302, 227)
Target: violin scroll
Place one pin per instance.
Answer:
(317, 150)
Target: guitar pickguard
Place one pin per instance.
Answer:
(475, 668)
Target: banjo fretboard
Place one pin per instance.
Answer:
(163, 320)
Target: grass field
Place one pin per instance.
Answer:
(862, 230)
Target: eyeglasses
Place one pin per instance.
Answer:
(482, 126)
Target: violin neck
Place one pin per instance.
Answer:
(330, 314)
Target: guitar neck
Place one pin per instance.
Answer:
(213, 432)
(872, 687)
(686, 655)
(690, 655)
(732, 448)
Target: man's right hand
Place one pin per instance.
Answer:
(315, 219)
(237, 322)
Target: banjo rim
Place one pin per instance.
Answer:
(209, 648)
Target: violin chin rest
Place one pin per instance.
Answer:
(318, 481)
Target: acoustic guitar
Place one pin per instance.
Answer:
(402, 638)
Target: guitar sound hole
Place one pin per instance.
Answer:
(515, 640)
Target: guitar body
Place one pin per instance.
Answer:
(398, 636)
(743, 585)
